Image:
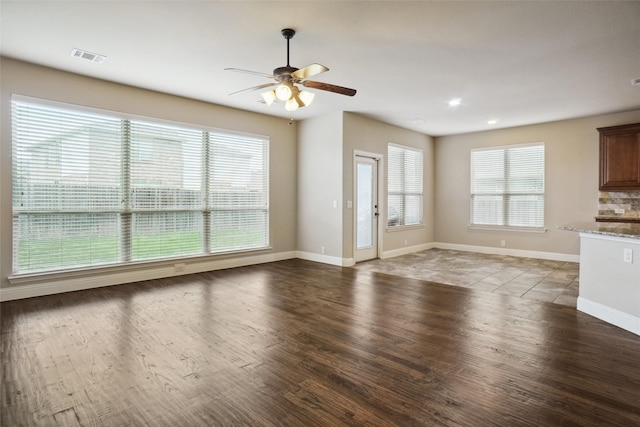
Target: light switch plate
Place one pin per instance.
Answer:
(628, 255)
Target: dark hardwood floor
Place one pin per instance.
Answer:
(304, 344)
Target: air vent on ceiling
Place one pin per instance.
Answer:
(88, 56)
(635, 82)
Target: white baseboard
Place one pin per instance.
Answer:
(325, 259)
(610, 315)
(552, 256)
(48, 284)
(407, 250)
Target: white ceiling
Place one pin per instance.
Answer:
(518, 62)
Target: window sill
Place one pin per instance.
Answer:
(404, 227)
(538, 230)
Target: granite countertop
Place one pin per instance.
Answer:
(616, 229)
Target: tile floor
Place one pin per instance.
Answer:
(528, 278)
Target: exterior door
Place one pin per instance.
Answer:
(366, 209)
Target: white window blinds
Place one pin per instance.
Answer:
(507, 186)
(67, 188)
(165, 191)
(404, 186)
(93, 189)
(238, 192)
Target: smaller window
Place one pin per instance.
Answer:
(507, 186)
(404, 186)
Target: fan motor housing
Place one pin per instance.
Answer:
(284, 73)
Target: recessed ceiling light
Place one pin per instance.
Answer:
(455, 102)
(492, 122)
(416, 121)
(88, 56)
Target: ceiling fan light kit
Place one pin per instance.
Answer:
(286, 79)
(283, 92)
(269, 97)
(291, 105)
(306, 97)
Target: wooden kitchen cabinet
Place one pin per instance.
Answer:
(620, 158)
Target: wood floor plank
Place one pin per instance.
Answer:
(298, 343)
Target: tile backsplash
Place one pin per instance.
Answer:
(610, 201)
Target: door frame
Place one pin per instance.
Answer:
(382, 217)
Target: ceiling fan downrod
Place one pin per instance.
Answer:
(288, 34)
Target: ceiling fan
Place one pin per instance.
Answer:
(286, 79)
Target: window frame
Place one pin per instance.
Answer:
(125, 211)
(506, 195)
(404, 193)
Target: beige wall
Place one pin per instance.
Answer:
(364, 134)
(571, 182)
(327, 147)
(319, 185)
(35, 81)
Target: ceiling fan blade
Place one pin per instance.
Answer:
(328, 87)
(251, 89)
(255, 73)
(309, 71)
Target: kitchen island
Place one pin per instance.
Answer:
(609, 272)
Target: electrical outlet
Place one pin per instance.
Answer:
(628, 256)
(503, 243)
(322, 250)
(405, 242)
(619, 211)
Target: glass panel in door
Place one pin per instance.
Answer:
(366, 209)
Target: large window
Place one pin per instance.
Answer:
(97, 189)
(404, 186)
(507, 186)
